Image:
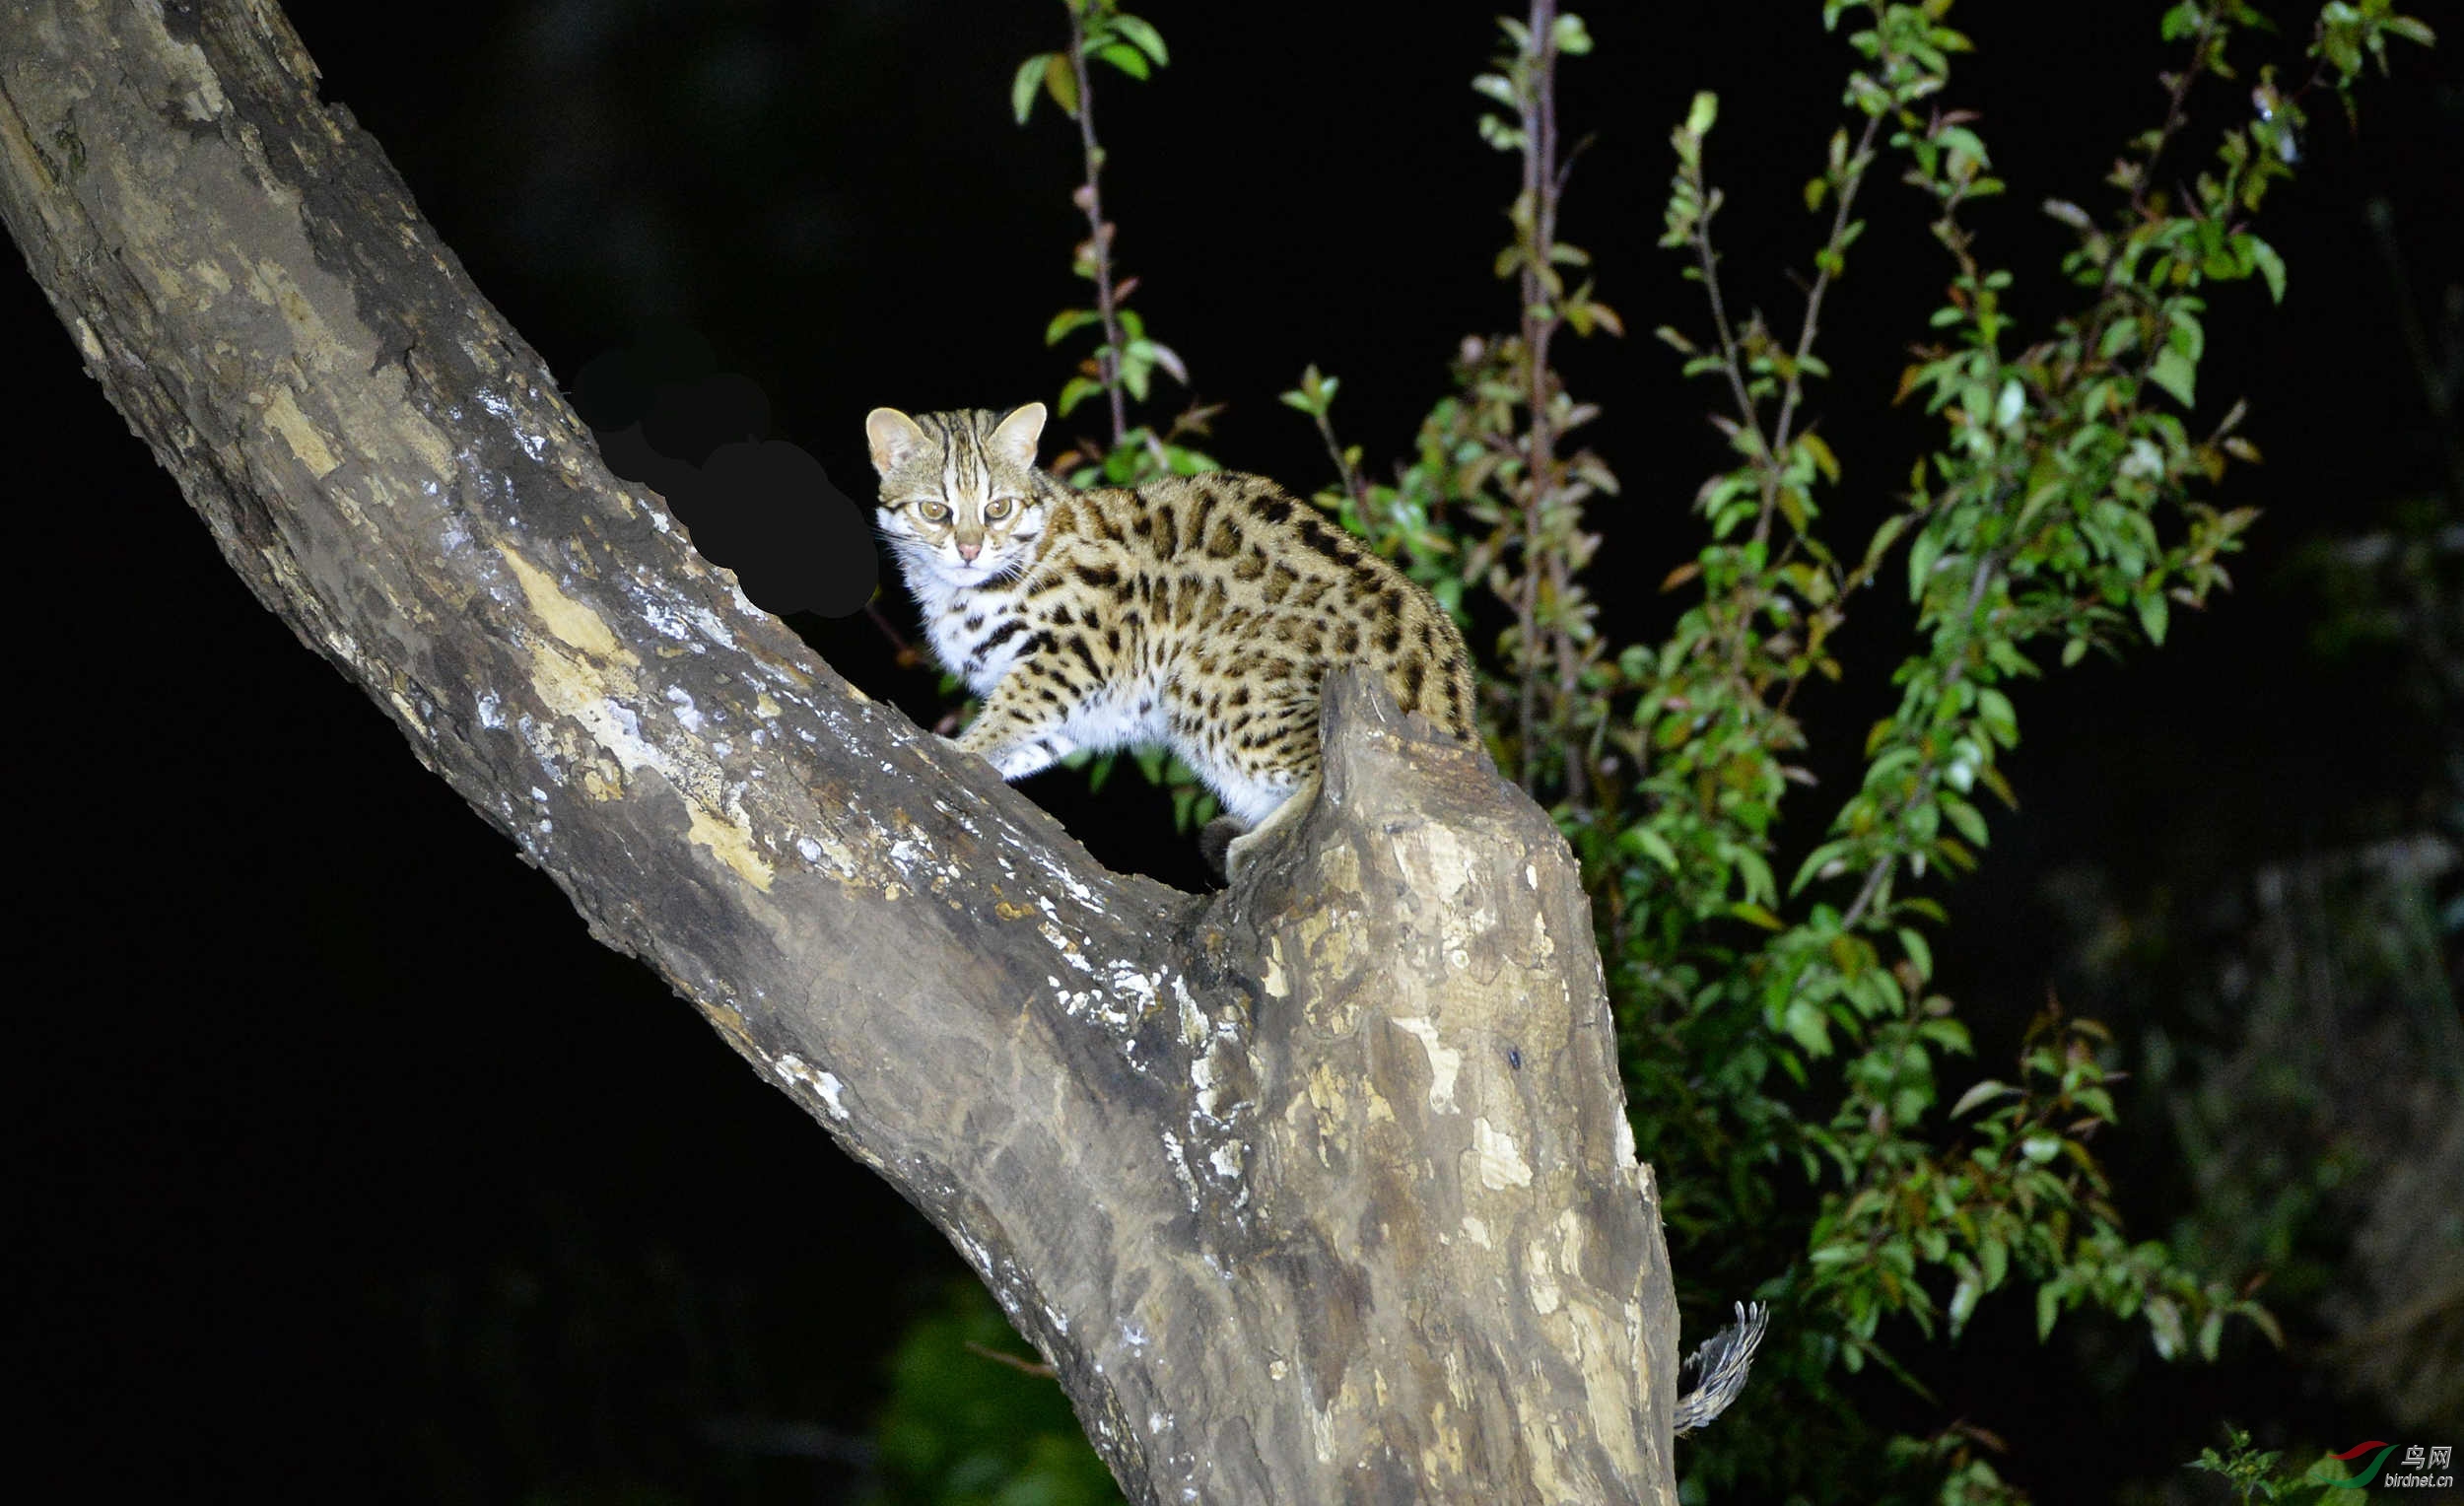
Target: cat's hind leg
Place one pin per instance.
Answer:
(1274, 775)
(1245, 847)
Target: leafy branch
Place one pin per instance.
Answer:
(1120, 369)
(2063, 507)
(1494, 496)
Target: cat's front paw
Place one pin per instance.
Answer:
(1014, 761)
(1017, 760)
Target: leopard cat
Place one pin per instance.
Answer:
(1200, 613)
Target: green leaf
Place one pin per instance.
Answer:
(2271, 266)
(2001, 719)
(1950, 1035)
(1066, 320)
(1746, 909)
(1652, 846)
(1985, 1089)
(2009, 407)
(2164, 1326)
(1921, 557)
(1823, 460)
(1883, 537)
(2176, 374)
(1022, 88)
(1060, 82)
(1960, 138)
(1963, 1301)
(2154, 614)
(1702, 112)
(1570, 36)
(1805, 1023)
(1077, 390)
(1816, 862)
(1169, 359)
(1754, 872)
(1919, 950)
(1966, 817)
(2211, 1333)
(1125, 57)
(2187, 335)
(1145, 37)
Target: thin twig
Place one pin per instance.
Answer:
(1709, 260)
(1355, 485)
(1873, 878)
(1539, 147)
(1023, 1366)
(1543, 182)
(1844, 194)
(1099, 233)
(2176, 112)
(906, 655)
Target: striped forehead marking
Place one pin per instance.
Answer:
(965, 471)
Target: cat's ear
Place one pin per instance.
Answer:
(1014, 438)
(894, 437)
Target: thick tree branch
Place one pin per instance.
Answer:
(1319, 1189)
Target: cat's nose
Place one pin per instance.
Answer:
(968, 551)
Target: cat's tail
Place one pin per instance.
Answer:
(1214, 843)
(1719, 1367)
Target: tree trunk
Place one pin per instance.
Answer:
(1319, 1189)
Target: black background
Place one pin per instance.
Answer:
(339, 1143)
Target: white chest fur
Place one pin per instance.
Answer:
(977, 633)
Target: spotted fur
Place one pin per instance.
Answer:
(1196, 612)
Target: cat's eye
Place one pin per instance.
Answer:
(999, 507)
(934, 512)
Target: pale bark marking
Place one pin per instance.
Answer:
(1444, 1061)
(1501, 1160)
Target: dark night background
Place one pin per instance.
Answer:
(349, 1166)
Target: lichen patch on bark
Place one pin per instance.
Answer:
(573, 623)
(1499, 1160)
(283, 416)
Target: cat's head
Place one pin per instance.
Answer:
(959, 498)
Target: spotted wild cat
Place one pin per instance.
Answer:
(1199, 613)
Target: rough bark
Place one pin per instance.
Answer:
(1319, 1189)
